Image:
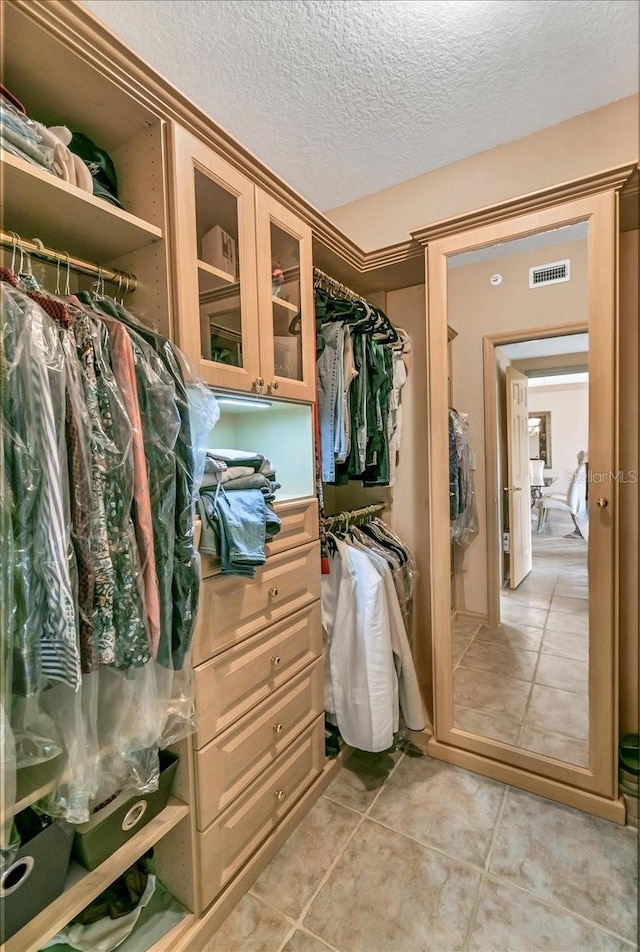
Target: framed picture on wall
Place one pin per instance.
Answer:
(540, 436)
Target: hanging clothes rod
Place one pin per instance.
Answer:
(321, 278)
(36, 249)
(350, 516)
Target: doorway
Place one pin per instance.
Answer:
(537, 455)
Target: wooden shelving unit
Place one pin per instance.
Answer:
(33, 783)
(38, 204)
(213, 278)
(83, 886)
(287, 305)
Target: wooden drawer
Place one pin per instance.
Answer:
(233, 608)
(299, 526)
(244, 676)
(233, 837)
(226, 766)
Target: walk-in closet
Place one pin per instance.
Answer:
(319, 512)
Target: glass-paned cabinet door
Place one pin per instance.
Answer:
(285, 300)
(217, 303)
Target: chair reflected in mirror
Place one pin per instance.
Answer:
(536, 476)
(574, 503)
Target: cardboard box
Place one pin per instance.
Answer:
(219, 249)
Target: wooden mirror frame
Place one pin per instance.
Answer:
(592, 788)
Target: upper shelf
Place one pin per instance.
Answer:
(37, 204)
(287, 305)
(212, 278)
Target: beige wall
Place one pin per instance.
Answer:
(569, 408)
(410, 517)
(597, 140)
(477, 309)
(629, 543)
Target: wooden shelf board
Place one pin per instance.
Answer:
(208, 274)
(285, 304)
(83, 886)
(168, 941)
(32, 783)
(37, 204)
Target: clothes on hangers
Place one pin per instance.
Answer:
(369, 672)
(462, 507)
(361, 373)
(102, 449)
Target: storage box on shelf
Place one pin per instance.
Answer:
(82, 887)
(238, 342)
(121, 819)
(35, 878)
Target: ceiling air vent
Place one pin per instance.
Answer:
(554, 273)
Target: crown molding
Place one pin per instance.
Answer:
(79, 30)
(615, 178)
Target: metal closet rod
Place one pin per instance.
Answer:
(355, 515)
(36, 249)
(323, 277)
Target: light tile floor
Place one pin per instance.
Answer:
(525, 682)
(407, 854)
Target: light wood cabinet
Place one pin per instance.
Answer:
(233, 608)
(244, 294)
(237, 680)
(227, 765)
(230, 840)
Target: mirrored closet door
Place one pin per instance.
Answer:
(524, 482)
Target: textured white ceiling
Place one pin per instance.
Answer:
(345, 97)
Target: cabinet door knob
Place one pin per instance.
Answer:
(272, 592)
(274, 385)
(279, 794)
(275, 661)
(278, 728)
(259, 383)
(603, 503)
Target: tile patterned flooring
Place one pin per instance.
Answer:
(407, 854)
(525, 682)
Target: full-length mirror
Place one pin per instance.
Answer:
(530, 623)
(521, 627)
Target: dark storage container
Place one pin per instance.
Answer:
(120, 820)
(35, 878)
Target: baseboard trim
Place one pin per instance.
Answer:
(613, 810)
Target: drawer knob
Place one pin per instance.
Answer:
(272, 592)
(279, 794)
(278, 728)
(275, 661)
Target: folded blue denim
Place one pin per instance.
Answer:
(243, 520)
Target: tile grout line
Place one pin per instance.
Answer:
(483, 877)
(557, 907)
(533, 681)
(341, 850)
(429, 846)
(298, 923)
